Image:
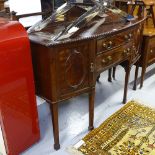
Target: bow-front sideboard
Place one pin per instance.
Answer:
(68, 68)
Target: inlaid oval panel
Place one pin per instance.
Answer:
(75, 69)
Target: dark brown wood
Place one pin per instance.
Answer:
(135, 80)
(113, 74)
(147, 53)
(122, 4)
(65, 69)
(153, 14)
(142, 75)
(54, 110)
(2, 5)
(127, 70)
(91, 109)
(109, 75)
(98, 78)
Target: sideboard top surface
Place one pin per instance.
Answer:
(96, 28)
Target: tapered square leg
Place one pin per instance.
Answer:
(114, 73)
(54, 111)
(109, 75)
(142, 76)
(127, 75)
(91, 109)
(98, 78)
(135, 80)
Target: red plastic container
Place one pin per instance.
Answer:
(18, 110)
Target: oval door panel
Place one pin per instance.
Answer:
(75, 69)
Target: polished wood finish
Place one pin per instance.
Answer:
(110, 42)
(63, 72)
(148, 45)
(135, 8)
(148, 54)
(2, 5)
(55, 122)
(67, 68)
(91, 109)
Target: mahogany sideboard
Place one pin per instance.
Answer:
(65, 69)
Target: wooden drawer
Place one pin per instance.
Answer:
(107, 59)
(151, 51)
(109, 43)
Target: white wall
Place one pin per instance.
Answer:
(24, 7)
(2, 146)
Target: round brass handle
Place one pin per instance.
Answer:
(130, 35)
(128, 49)
(126, 37)
(151, 51)
(125, 52)
(110, 44)
(103, 61)
(104, 45)
(109, 58)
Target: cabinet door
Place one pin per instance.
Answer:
(73, 67)
(150, 50)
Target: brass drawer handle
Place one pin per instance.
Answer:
(103, 61)
(92, 67)
(128, 37)
(110, 44)
(126, 52)
(128, 49)
(104, 45)
(151, 51)
(109, 58)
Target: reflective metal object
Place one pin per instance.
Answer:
(98, 9)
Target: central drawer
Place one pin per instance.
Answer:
(108, 59)
(114, 41)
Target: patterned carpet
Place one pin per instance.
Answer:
(129, 131)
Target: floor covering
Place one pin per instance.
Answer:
(73, 114)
